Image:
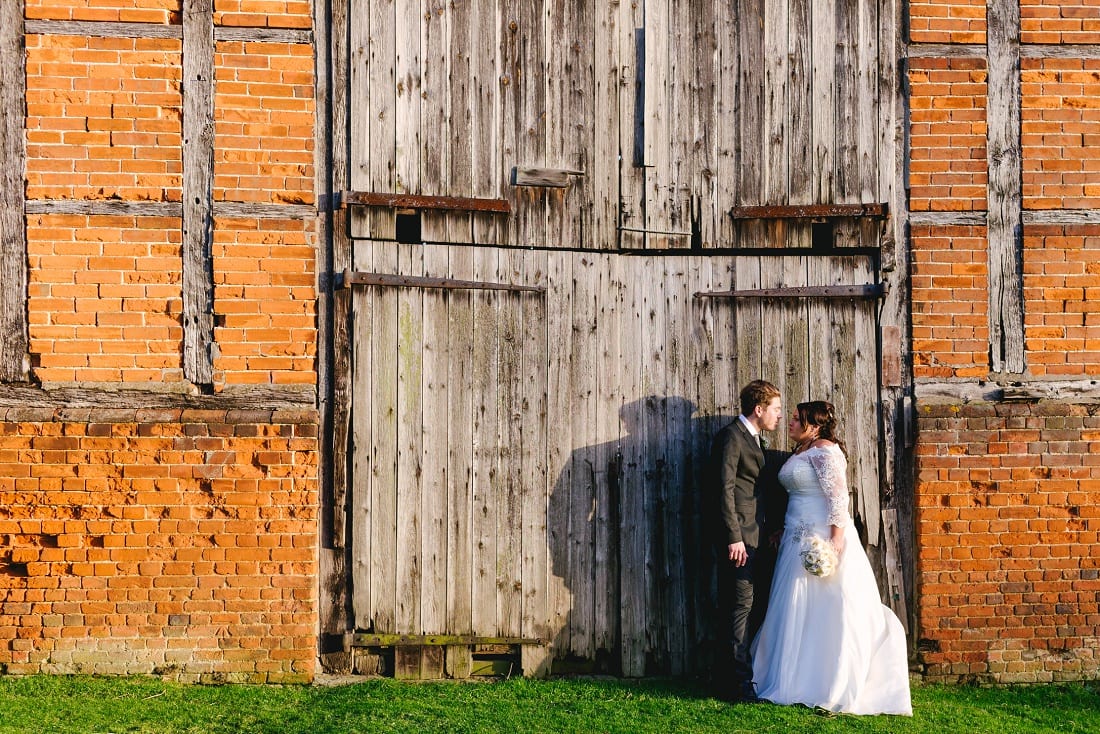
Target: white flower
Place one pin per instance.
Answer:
(818, 556)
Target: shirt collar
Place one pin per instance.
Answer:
(752, 429)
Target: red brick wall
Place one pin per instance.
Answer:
(947, 170)
(122, 11)
(1006, 493)
(166, 542)
(950, 328)
(1008, 514)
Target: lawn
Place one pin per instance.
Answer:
(74, 705)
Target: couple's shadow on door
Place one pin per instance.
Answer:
(628, 532)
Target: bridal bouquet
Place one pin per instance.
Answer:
(818, 556)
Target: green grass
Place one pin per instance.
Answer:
(75, 705)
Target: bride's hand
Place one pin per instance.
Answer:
(837, 540)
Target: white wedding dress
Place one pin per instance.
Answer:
(829, 641)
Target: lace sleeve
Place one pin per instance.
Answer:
(832, 468)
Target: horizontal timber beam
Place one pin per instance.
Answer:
(352, 277)
(1086, 391)
(395, 640)
(416, 201)
(111, 29)
(868, 290)
(104, 397)
(1027, 51)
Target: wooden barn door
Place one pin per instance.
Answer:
(448, 459)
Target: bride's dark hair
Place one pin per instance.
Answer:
(821, 414)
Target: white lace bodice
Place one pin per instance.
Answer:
(817, 486)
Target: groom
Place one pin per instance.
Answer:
(737, 457)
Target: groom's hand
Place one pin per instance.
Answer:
(738, 554)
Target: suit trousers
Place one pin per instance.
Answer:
(735, 602)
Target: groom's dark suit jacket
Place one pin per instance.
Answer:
(736, 460)
(748, 501)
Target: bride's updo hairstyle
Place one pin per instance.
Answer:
(822, 415)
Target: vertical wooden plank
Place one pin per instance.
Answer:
(725, 339)
(849, 110)
(728, 32)
(14, 360)
(484, 384)
(581, 388)
(1005, 192)
(866, 415)
(783, 335)
(871, 119)
(373, 111)
(748, 327)
(820, 334)
(510, 484)
(437, 132)
(434, 447)
(559, 325)
(486, 84)
(775, 138)
(602, 180)
(410, 432)
(384, 479)
(823, 133)
(198, 192)
(363, 342)
(535, 659)
(678, 398)
(333, 337)
(632, 178)
(408, 78)
(633, 525)
(460, 401)
(463, 102)
(750, 118)
(704, 185)
(610, 315)
(800, 103)
(660, 131)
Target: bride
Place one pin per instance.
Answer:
(827, 640)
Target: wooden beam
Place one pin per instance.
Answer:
(415, 201)
(546, 177)
(1005, 189)
(264, 35)
(1063, 216)
(396, 640)
(868, 290)
(101, 29)
(351, 278)
(198, 191)
(1027, 51)
(989, 391)
(106, 398)
(948, 219)
(14, 362)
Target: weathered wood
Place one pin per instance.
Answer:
(603, 177)
(358, 500)
(968, 391)
(486, 85)
(945, 51)
(104, 208)
(354, 277)
(774, 135)
(96, 29)
(1004, 198)
(1062, 216)
(534, 475)
(631, 121)
(434, 459)
(373, 112)
(417, 201)
(251, 397)
(728, 28)
(198, 191)
(868, 290)
(458, 661)
(261, 210)
(823, 131)
(302, 36)
(945, 219)
(460, 340)
(510, 483)
(752, 139)
(409, 487)
(895, 577)
(14, 360)
(544, 177)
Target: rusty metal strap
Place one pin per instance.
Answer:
(866, 290)
(353, 277)
(809, 211)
